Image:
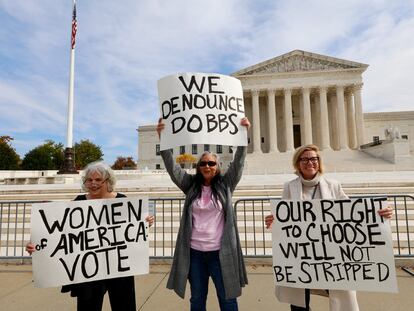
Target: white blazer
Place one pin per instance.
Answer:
(339, 300)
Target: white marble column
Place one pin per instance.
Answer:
(316, 118)
(350, 113)
(271, 115)
(333, 120)
(341, 117)
(324, 122)
(359, 117)
(256, 122)
(305, 118)
(288, 120)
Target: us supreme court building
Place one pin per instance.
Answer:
(300, 98)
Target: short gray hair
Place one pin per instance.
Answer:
(103, 169)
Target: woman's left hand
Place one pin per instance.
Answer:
(150, 220)
(245, 122)
(30, 248)
(386, 212)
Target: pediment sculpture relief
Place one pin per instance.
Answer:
(298, 63)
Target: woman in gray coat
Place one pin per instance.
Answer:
(208, 243)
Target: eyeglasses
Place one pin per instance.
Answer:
(97, 181)
(313, 160)
(209, 163)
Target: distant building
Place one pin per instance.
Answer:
(294, 99)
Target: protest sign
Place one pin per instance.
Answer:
(201, 108)
(82, 241)
(333, 244)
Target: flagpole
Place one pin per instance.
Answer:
(68, 163)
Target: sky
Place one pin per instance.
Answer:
(123, 47)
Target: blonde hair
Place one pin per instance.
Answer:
(298, 153)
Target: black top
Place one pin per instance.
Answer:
(82, 197)
(74, 289)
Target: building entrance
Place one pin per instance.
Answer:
(296, 135)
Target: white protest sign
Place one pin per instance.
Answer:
(201, 108)
(89, 240)
(333, 244)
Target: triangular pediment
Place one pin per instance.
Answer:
(299, 61)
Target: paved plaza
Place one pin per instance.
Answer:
(18, 293)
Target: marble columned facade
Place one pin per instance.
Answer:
(301, 98)
(310, 118)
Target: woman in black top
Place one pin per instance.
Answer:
(98, 181)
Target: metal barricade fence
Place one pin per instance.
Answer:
(256, 241)
(15, 227)
(163, 233)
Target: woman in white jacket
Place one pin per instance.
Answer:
(311, 184)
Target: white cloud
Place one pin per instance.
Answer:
(124, 47)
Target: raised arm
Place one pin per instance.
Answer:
(235, 170)
(177, 174)
(180, 177)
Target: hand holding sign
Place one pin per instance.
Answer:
(160, 127)
(245, 122)
(201, 108)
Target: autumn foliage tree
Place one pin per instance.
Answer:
(122, 163)
(186, 159)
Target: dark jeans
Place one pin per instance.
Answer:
(202, 266)
(307, 300)
(121, 293)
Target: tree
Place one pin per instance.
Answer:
(86, 152)
(122, 163)
(9, 159)
(185, 159)
(6, 139)
(48, 156)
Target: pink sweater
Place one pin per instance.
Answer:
(208, 222)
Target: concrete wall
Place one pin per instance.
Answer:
(396, 151)
(377, 122)
(18, 174)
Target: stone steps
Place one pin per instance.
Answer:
(241, 191)
(334, 161)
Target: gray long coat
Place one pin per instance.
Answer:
(231, 257)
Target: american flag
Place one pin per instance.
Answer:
(74, 26)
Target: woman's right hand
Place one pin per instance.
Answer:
(269, 220)
(30, 248)
(160, 127)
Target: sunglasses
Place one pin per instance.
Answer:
(209, 163)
